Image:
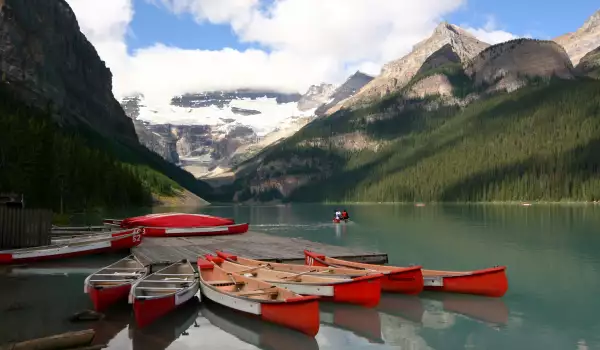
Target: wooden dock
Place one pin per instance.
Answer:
(256, 245)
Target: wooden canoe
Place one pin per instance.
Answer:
(406, 280)
(195, 231)
(490, 282)
(364, 291)
(163, 291)
(332, 272)
(74, 237)
(269, 302)
(112, 283)
(126, 240)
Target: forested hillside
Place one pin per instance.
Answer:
(541, 142)
(75, 169)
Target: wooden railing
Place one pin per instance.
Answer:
(24, 228)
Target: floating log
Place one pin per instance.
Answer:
(62, 341)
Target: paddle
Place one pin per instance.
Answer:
(299, 274)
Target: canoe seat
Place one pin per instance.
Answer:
(256, 292)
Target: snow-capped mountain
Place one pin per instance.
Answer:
(209, 129)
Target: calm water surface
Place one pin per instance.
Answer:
(553, 269)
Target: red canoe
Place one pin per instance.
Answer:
(253, 296)
(406, 280)
(490, 282)
(364, 291)
(162, 292)
(125, 240)
(195, 231)
(113, 282)
(171, 220)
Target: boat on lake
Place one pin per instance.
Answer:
(163, 291)
(491, 282)
(112, 283)
(126, 240)
(364, 290)
(260, 298)
(405, 280)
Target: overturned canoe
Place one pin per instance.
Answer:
(112, 283)
(364, 291)
(171, 220)
(490, 282)
(195, 231)
(253, 296)
(125, 240)
(406, 280)
(163, 291)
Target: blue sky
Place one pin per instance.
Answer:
(152, 23)
(159, 48)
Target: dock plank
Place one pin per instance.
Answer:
(256, 245)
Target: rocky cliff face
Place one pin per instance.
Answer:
(162, 144)
(509, 65)
(348, 89)
(397, 74)
(49, 62)
(589, 65)
(584, 40)
(316, 96)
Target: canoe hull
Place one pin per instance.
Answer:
(129, 240)
(147, 311)
(401, 280)
(298, 313)
(195, 231)
(174, 220)
(490, 282)
(103, 298)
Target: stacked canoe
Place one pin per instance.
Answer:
(284, 294)
(67, 242)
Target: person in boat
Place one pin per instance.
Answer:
(345, 215)
(338, 214)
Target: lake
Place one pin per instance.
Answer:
(551, 254)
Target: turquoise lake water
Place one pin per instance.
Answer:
(551, 253)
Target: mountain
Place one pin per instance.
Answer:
(584, 40)
(316, 96)
(510, 65)
(396, 74)
(66, 143)
(589, 65)
(494, 124)
(208, 133)
(51, 65)
(348, 89)
(202, 131)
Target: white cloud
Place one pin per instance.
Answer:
(490, 32)
(309, 41)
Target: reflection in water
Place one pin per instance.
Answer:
(251, 330)
(160, 334)
(115, 321)
(362, 321)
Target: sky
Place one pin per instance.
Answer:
(162, 48)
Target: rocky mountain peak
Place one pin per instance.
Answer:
(582, 41)
(592, 23)
(349, 88)
(316, 96)
(396, 74)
